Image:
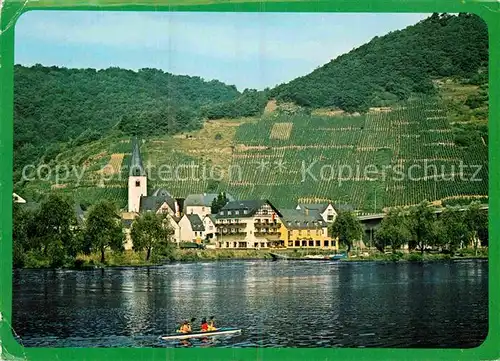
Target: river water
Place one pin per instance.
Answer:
(276, 304)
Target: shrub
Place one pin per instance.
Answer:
(415, 257)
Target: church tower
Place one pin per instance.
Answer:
(137, 180)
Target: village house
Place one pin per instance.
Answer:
(305, 229)
(209, 222)
(248, 224)
(201, 204)
(191, 228)
(326, 210)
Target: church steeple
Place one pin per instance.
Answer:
(136, 167)
(137, 180)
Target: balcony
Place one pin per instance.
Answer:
(229, 230)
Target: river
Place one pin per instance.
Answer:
(276, 304)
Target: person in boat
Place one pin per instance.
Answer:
(211, 324)
(204, 325)
(185, 327)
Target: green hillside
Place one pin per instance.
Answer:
(395, 66)
(420, 101)
(57, 108)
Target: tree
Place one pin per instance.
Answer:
(347, 229)
(394, 231)
(477, 223)
(422, 226)
(149, 231)
(103, 228)
(52, 229)
(218, 203)
(453, 228)
(20, 224)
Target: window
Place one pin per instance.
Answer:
(311, 243)
(334, 243)
(236, 212)
(245, 211)
(228, 213)
(210, 227)
(264, 211)
(326, 243)
(304, 243)
(227, 244)
(137, 183)
(297, 243)
(290, 243)
(330, 217)
(318, 243)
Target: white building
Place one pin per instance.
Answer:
(325, 210)
(137, 180)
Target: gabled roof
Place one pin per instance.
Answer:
(246, 208)
(297, 219)
(161, 192)
(136, 167)
(196, 222)
(321, 207)
(153, 203)
(211, 217)
(204, 199)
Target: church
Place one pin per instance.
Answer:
(187, 217)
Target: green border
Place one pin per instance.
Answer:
(488, 10)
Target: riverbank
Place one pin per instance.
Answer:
(138, 259)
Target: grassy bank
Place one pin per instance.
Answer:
(417, 256)
(136, 259)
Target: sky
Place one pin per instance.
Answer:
(249, 50)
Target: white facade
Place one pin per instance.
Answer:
(256, 231)
(186, 231)
(329, 214)
(176, 236)
(137, 187)
(210, 227)
(201, 211)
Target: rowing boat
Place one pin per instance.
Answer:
(219, 332)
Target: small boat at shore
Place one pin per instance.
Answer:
(223, 331)
(319, 257)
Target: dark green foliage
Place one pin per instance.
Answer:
(53, 105)
(103, 229)
(471, 134)
(422, 226)
(463, 201)
(151, 232)
(347, 228)
(250, 103)
(218, 203)
(453, 229)
(394, 230)
(395, 66)
(476, 221)
(161, 120)
(46, 234)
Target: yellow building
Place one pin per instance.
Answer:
(305, 229)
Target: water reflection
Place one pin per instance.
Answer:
(277, 304)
